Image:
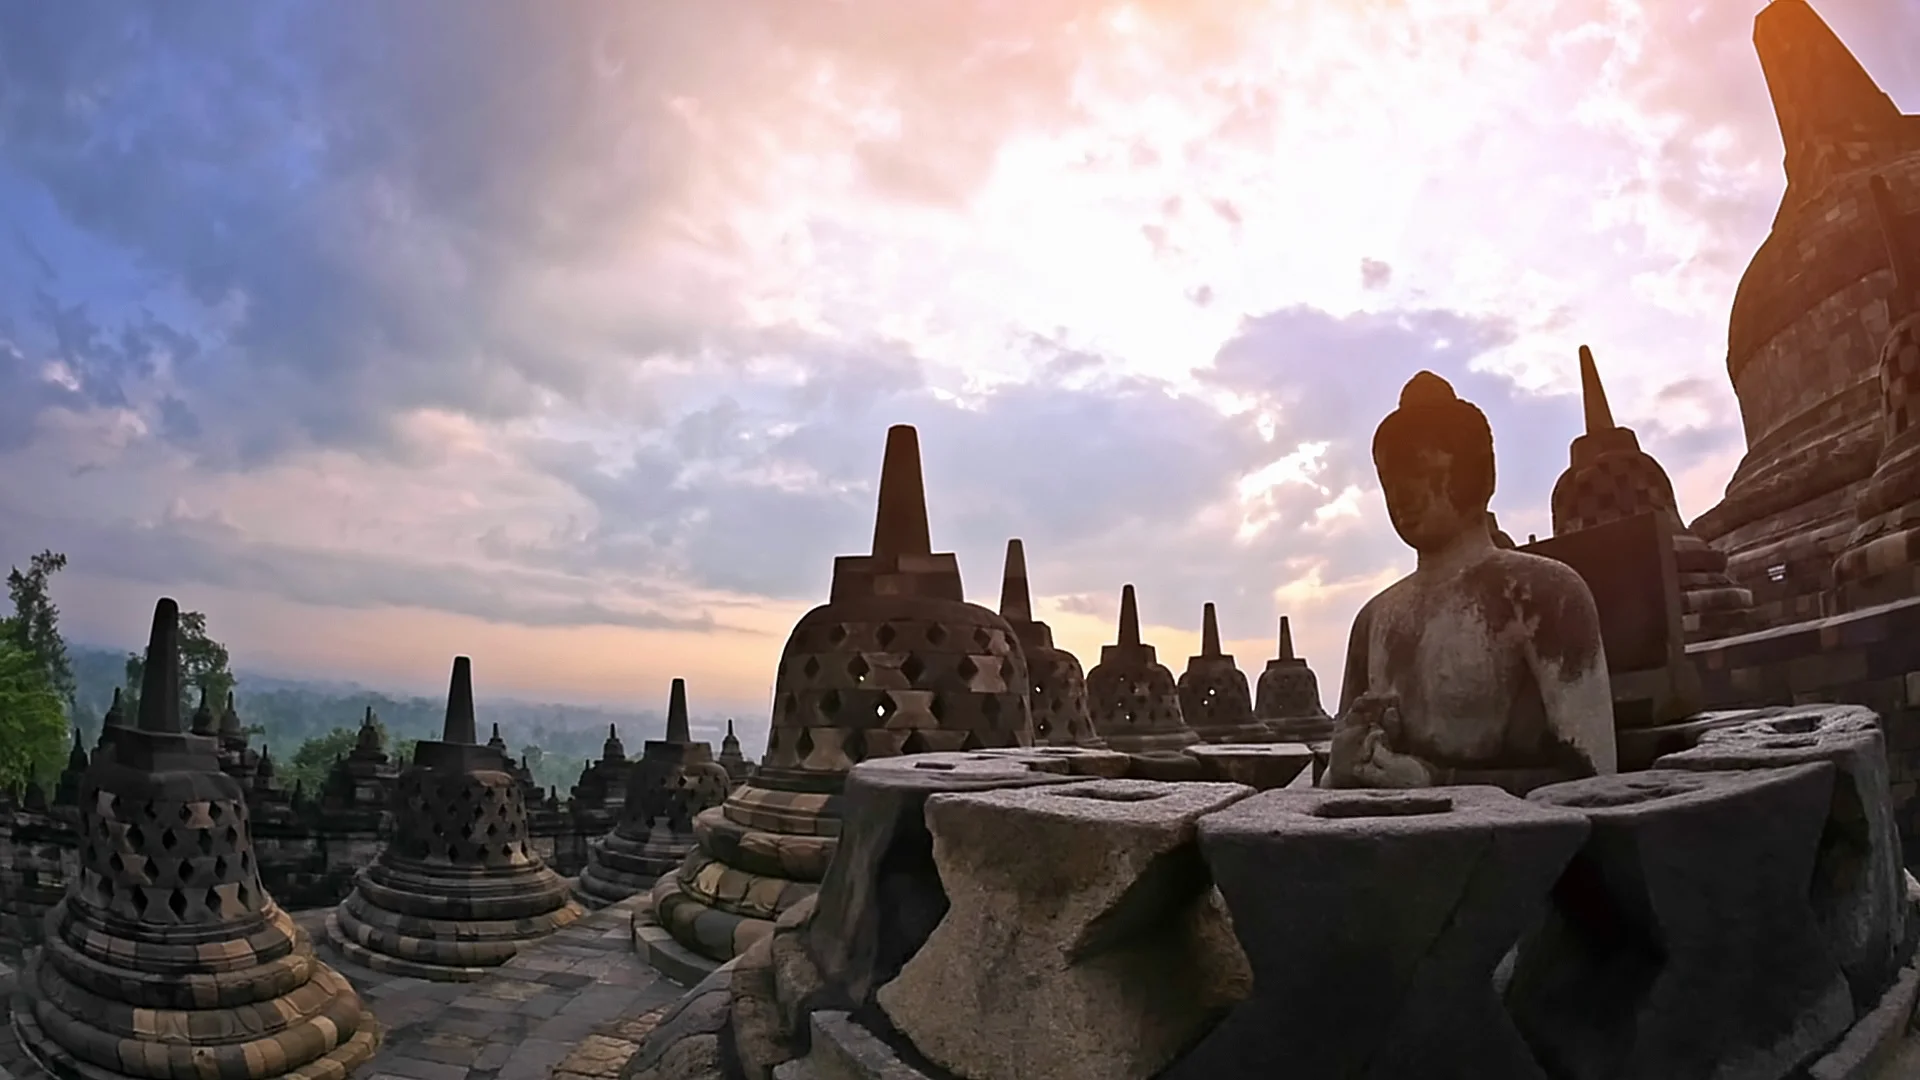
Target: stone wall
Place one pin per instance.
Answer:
(1869, 657)
(38, 855)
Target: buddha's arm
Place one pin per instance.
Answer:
(1349, 730)
(1569, 664)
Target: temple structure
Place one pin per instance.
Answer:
(675, 780)
(1610, 478)
(1214, 698)
(1059, 687)
(735, 762)
(895, 662)
(1133, 697)
(456, 892)
(167, 958)
(1287, 698)
(1808, 320)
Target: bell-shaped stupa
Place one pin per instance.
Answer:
(1058, 694)
(674, 779)
(1610, 478)
(895, 662)
(1132, 696)
(1215, 700)
(735, 762)
(1287, 698)
(458, 891)
(167, 958)
(1881, 562)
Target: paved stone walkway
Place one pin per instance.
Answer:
(572, 1007)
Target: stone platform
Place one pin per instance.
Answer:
(573, 1006)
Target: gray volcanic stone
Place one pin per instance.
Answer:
(1084, 938)
(1681, 943)
(882, 895)
(692, 1041)
(1373, 921)
(1260, 766)
(1859, 883)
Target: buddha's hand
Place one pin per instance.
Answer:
(1357, 735)
(1381, 766)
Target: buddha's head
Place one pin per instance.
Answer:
(1434, 455)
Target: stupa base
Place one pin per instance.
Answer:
(443, 950)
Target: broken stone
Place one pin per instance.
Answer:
(1083, 938)
(1373, 921)
(1681, 942)
(1859, 883)
(882, 895)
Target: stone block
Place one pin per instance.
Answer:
(1859, 883)
(882, 895)
(1357, 980)
(1260, 766)
(1681, 943)
(1083, 936)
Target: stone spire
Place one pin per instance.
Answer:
(459, 728)
(496, 741)
(367, 744)
(613, 749)
(204, 721)
(1610, 478)
(160, 674)
(678, 730)
(66, 790)
(1214, 698)
(1016, 602)
(1131, 696)
(1830, 111)
(1287, 698)
(230, 721)
(731, 759)
(113, 722)
(900, 520)
(1593, 396)
(1059, 686)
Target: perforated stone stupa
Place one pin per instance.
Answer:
(1610, 478)
(896, 662)
(1287, 697)
(1059, 687)
(674, 779)
(167, 959)
(1133, 697)
(735, 762)
(1214, 698)
(457, 891)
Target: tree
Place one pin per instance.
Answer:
(34, 626)
(203, 667)
(33, 720)
(315, 758)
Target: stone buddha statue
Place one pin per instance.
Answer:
(1484, 665)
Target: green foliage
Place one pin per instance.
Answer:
(34, 626)
(315, 757)
(203, 668)
(33, 720)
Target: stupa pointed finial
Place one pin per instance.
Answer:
(203, 721)
(1209, 631)
(1286, 639)
(459, 727)
(367, 719)
(1593, 396)
(678, 730)
(495, 740)
(160, 678)
(730, 727)
(1822, 97)
(1129, 617)
(1016, 602)
(116, 713)
(900, 523)
(1903, 250)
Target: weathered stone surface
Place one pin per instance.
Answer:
(1354, 979)
(1083, 938)
(843, 1049)
(1859, 884)
(1287, 696)
(1215, 699)
(1071, 760)
(882, 895)
(1058, 690)
(693, 1041)
(1482, 659)
(1260, 766)
(1681, 942)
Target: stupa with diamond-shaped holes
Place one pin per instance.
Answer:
(1058, 686)
(896, 662)
(1133, 697)
(457, 892)
(167, 958)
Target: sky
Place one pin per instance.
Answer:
(567, 336)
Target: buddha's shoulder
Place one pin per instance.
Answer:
(1536, 570)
